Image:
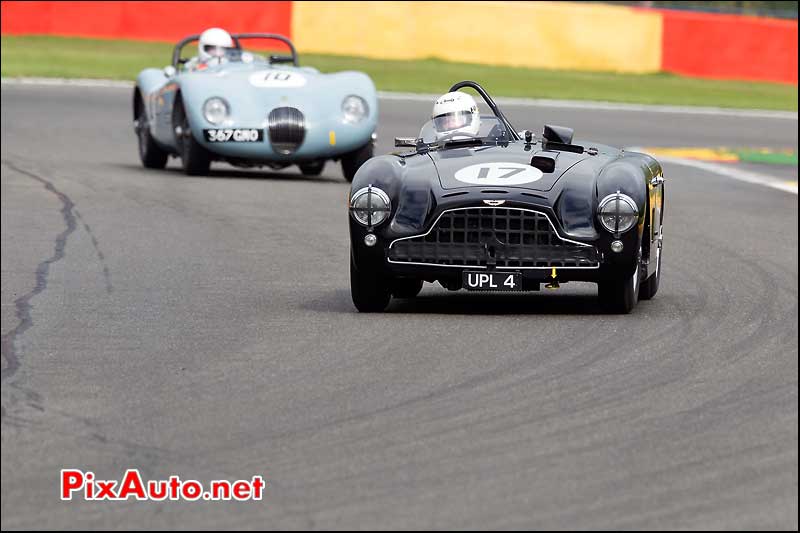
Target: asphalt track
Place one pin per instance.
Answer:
(203, 327)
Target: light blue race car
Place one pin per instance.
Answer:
(251, 110)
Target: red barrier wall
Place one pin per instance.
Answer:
(693, 44)
(144, 21)
(729, 47)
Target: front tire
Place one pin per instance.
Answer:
(150, 153)
(649, 286)
(619, 296)
(406, 287)
(312, 169)
(352, 161)
(370, 291)
(195, 158)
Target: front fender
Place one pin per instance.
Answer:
(150, 80)
(406, 180)
(627, 175)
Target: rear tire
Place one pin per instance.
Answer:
(619, 296)
(370, 292)
(406, 287)
(195, 158)
(352, 161)
(313, 168)
(151, 154)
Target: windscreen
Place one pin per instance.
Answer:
(491, 130)
(236, 55)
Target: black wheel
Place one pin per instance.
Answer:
(649, 286)
(352, 161)
(406, 287)
(150, 153)
(196, 159)
(371, 293)
(313, 168)
(620, 295)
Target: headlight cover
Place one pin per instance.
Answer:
(618, 213)
(370, 206)
(354, 109)
(216, 110)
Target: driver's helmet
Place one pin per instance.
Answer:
(455, 113)
(213, 43)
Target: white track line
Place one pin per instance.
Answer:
(738, 174)
(69, 82)
(524, 102)
(611, 106)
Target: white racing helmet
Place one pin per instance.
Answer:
(213, 43)
(456, 112)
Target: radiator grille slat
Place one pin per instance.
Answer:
(503, 237)
(287, 129)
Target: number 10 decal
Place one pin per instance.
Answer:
(277, 79)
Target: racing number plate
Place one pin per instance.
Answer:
(234, 135)
(492, 281)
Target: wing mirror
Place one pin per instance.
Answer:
(169, 71)
(558, 134)
(405, 141)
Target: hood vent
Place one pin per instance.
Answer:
(457, 193)
(545, 161)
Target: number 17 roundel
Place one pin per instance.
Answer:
(508, 174)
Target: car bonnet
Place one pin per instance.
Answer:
(499, 166)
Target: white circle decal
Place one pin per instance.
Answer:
(498, 174)
(277, 78)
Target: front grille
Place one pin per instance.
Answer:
(500, 237)
(287, 129)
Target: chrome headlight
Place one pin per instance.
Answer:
(618, 213)
(354, 109)
(370, 206)
(216, 110)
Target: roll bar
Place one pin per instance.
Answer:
(491, 103)
(176, 53)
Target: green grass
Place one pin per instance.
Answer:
(770, 157)
(89, 58)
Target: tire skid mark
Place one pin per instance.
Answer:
(100, 256)
(8, 344)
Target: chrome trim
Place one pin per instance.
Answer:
(478, 267)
